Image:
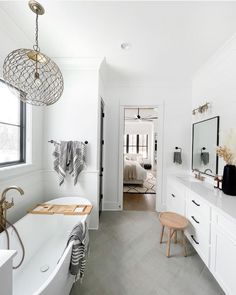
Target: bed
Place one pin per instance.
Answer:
(134, 173)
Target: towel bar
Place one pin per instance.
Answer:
(53, 141)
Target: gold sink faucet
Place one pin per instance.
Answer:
(5, 205)
(198, 175)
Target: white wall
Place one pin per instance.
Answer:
(176, 103)
(215, 83)
(74, 117)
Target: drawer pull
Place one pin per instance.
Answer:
(173, 195)
(196, 242)
(195, 219)
(194, 202)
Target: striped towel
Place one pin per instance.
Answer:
(61, 159)
(69, 156)
(78, 155)
(80, 238)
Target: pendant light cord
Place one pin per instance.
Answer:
(36, 46)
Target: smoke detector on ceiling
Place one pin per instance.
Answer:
(125, 46)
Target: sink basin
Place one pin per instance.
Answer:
(188, 179)
(196, 184)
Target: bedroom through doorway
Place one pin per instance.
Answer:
(140, 159)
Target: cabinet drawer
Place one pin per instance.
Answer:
(197, 206)
(200, 242)
(201, 223)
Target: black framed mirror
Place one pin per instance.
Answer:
(205, 139)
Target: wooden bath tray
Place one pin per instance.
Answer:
(61, 209)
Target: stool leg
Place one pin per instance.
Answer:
(168, 244)
(162, 233)
(184, 244)
(175, 237)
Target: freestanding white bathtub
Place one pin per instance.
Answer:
(45, 238)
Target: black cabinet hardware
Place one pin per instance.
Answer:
(196, 242)
(195, 219)
(173, 195)
(194, 202)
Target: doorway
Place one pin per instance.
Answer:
(140, 158)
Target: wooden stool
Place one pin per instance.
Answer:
(173, 222)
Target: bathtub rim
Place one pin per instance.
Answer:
(87, 202)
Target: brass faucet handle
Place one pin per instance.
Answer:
(8, 205)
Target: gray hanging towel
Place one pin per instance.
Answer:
(80, 238)
(69, 157)
(178, 157)
(205, 157)
(62, 155)
(78, 155)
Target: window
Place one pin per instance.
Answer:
(136, 144)
(12, 126)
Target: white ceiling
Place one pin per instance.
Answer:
(170, 40)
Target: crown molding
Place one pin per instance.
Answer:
(221, 54)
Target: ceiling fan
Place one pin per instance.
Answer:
(138, 117)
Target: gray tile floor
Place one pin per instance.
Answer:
(127, 259)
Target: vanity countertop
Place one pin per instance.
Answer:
(215, 197)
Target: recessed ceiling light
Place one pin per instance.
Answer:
(125, 46)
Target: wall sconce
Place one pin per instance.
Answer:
(201, 109)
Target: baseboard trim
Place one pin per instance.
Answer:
(111, 206)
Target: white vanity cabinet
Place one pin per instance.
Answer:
(187, 203)
(223, 251)
(198, 231)
(212, 225)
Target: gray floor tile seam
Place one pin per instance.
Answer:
(136, 283)
(132, 229)
(158, 280)
(99, 275)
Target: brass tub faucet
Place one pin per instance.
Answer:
(5, 205)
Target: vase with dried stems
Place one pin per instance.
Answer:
(229, 174)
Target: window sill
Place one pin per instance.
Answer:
(16, 170)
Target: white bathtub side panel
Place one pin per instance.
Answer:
(61, 282)
(34, 231)
(87, 187)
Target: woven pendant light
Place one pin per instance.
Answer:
(35, 74)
